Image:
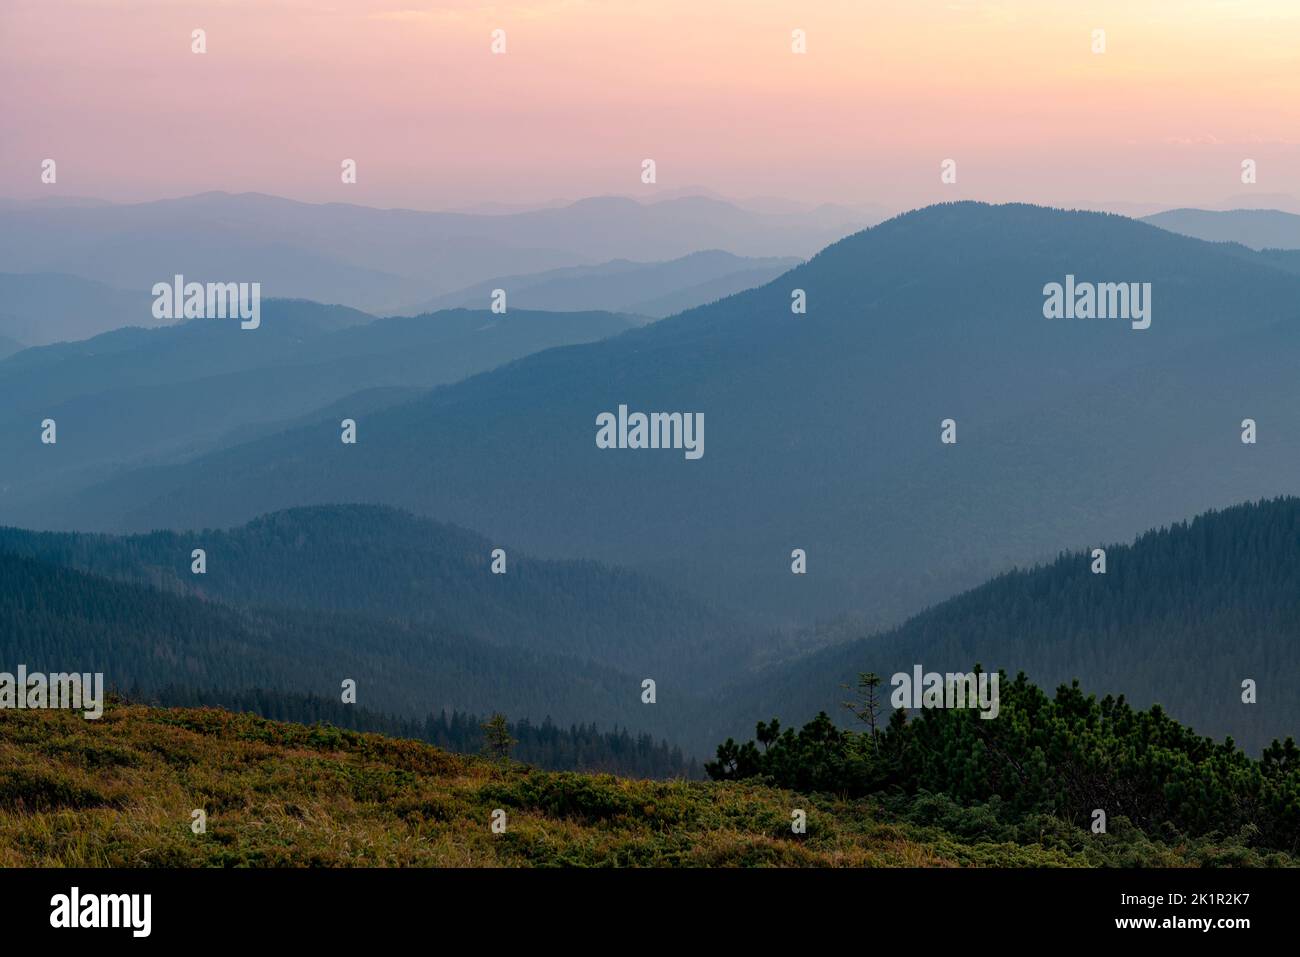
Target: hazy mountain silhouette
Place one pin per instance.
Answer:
(136, 396)
(41, 308)
(823, 430)
(706, 292)
(650, 289)
(384, 260)
(1254, 228)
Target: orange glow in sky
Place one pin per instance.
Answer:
(710, 89)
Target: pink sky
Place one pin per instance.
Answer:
(710, 89)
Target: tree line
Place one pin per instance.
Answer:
(555, 747)
(1068, 756)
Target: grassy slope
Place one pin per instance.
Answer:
(119, 792)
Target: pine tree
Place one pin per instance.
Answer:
(867, 709)
(497, 741)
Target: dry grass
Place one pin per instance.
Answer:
(119, 792)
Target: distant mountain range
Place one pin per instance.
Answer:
(823, 434)
(823, 430)
(648, 289)
(386, 260)
(1254, 228)
(136, 397)
(40, 308)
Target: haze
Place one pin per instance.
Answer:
(289, 88)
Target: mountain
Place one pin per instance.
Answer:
(650, 289)
(1255, 228)
(40, 308)
(823, 430)
(385, 260)
(829, 213)
(55, 619)
(1286, 202)
(134, 246)
(392, 566)
(710, 290)
(1180, 618)
(136, 397)
(1288, 259)
(9, 346)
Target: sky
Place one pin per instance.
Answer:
(710, 89)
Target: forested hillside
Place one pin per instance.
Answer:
(824, 428)
(55, 619)
(389, 564)
(1180, 618)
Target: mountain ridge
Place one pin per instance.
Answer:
(927, 316)
(1181, 617)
